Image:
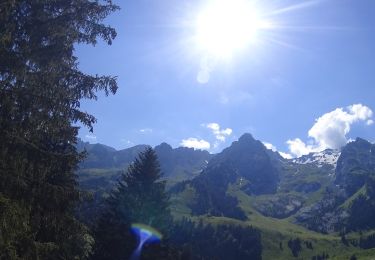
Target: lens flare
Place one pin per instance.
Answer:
(145, 234)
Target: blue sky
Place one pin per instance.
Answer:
(318, 57)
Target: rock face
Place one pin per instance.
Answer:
(247, 165)
(326, 215)
(181, 163)
(356, 162)
(100, 156)
(308, 187)
(347, 203)
(252, 162)
(211, 193)
(280, 206)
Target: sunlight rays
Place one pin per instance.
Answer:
(224, 26)
(224, 29)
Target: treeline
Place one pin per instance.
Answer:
(200, 241)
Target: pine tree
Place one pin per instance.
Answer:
(140, 197)
(40, 92)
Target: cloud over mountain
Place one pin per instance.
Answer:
(331, 129)
(195, 143)
(273, 148)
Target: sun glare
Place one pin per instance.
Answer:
(225, 26)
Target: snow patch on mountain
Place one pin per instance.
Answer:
(326, 157)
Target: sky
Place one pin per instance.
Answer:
(297, 75)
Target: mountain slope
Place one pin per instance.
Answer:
(181, 163)
(356, 157)
(103, 164)
(280, 187)
(252, 162)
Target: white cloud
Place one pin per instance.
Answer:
(273, 148)
(195, 143)
(286, 155)
(220, 134)
(331, 129)
(146, 130)
(298, 148)
(90, 137)
(270, 146)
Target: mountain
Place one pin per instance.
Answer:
(349, 203)
(100, 156)
(356, 162)
(210, 193)
(103, 164)
(252, 162)
(249, 168)
(181, 163)
(289, 200)
(305, 207)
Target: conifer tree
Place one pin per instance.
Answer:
(40, 92)
(140, 197)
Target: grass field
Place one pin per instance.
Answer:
(277, 232)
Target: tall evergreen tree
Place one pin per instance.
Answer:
(140, 197)
(40, 92)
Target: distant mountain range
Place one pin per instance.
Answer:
(329, 192)
(103, 164)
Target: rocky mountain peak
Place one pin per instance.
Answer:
(246, 138)
(163, 147)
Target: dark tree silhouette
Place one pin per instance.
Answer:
(40, 92)
(140, 197)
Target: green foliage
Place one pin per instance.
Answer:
(13, 229)
(323, 256)
(199, 241)
(40, 92)
(140, 197)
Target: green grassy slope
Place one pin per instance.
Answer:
(276, 232)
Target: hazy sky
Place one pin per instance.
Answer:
(304, 82)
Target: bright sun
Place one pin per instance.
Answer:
(225, 26)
